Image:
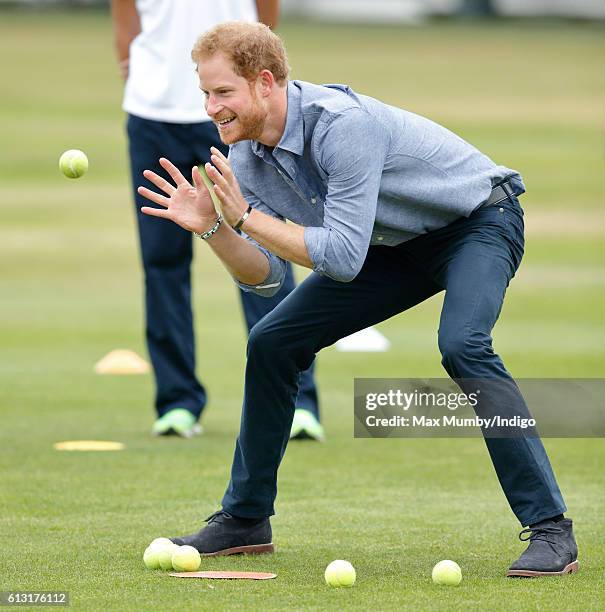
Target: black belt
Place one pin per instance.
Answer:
(499, 193)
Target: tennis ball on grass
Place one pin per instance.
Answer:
(186, 559)
(340, 573)
(160, 542)
(151, 558)
(73, 163)
(159, 554)
(447, 573)
(165, 553)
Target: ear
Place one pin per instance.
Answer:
(265, 82)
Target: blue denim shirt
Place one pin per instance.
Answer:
(354, 172)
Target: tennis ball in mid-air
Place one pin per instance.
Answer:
(340, 573)
(73, 163)
(447, 573)
(186, 559)
(151, 557)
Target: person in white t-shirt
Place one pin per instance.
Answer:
(166, 118)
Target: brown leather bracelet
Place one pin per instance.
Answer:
(238, 225)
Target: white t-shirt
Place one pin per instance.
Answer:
(162, 84)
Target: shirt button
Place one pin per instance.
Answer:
(313, 200)
(501, 210)
(380, 238)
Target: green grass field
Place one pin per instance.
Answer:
(529, 95)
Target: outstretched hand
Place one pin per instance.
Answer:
(187, 204)
(226, 187)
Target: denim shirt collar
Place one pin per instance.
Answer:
(292, 139)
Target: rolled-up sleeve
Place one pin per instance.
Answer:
(351, 147)
(277, 266)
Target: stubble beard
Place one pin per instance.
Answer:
(251, 124)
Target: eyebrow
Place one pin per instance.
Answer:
(223, 87)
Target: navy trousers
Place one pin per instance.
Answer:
(166, 251)
(473, 260)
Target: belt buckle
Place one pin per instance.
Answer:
(508, 190)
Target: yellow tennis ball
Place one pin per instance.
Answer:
(159, 554)
(340, 573)
(73, 163)
(186, 559)
(447, 573)
(162, 542)
(165, 555)
(150, 557)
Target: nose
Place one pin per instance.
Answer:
(212, 107)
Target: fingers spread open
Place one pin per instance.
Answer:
(217, 152)
(159, 182)
(215, 175)
(219, 192)
(208, 183)
(223, 165)
(155, 212)
(153, 196)
(174, 172)
(196, 177)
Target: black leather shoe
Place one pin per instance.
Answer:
(229, 535)
(552, 550)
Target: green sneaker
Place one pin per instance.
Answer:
(177, 422)
(306, 427)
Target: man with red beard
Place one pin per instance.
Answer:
(388, 209)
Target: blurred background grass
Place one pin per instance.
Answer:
(529, 94)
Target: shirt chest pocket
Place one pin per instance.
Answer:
(313, 189)
(311, 192)
(292, 201)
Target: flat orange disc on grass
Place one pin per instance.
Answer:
(225, 575)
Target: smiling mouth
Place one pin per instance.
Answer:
(223, 123)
